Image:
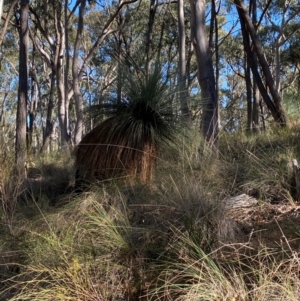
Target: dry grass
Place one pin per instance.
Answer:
(169, 240)
(192, 274)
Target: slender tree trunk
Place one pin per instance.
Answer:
(62, 101)
(67, 66)
(21, 150)
(161, 37)
(119, 78)
(49, 124)
(58, 67)
(216, 53)
(248, 82)
(249, 95)
(1, 8)
(32, 115)
(281, 117)
(182, 64)
(206, 78)
(55, 59)
(262, 115)
(282, 39)
(62, 112)
(256, 108)
(149, 38)
(2, 109)
(255, 90)
(32, 103)
(119, 54)
(276, 113)
(75, 74)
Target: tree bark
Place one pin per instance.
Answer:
(185, 112)
(296, 172)
(255, 107)
(149, 38)
(206, 78)
(32, 104)
(1, 8)
(67, 66)
(21, 151)
(216, 48)
(255, 91)
(63, 109)
(281, 117)
(48, 131)
(75, 74)
(119, 54)
(249, 95)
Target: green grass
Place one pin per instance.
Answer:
(168, 240)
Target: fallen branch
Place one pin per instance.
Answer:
(296, 174)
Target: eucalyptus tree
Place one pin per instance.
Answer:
(232, 92)
(182, 77)
(290, 60)
(1, 8)
(47, 110)
(76, 82)
(284, 20)
(206, 77)
(274, 106)
(21, 147)
(48, 37)
(290, 77)
(129, 44)
(9, 86)
(106, 28)
(152, 12)
(254, 102)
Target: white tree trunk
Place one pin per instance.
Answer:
(1, 8)
(206, 77)
(76, 82)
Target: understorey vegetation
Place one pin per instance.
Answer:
(171, 238)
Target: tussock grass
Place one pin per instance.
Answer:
(192, 274)
(166, 240)
(85, 255)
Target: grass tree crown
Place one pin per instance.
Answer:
(127, 143)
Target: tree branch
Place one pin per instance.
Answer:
(105, 32)
(38, 24)
(8, 17)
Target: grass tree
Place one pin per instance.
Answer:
(127, 144)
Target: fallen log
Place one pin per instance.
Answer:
(242, 201)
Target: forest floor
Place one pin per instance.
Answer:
(173, 239)
(273, 225)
